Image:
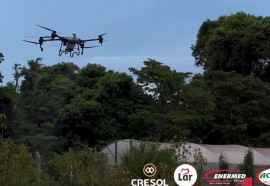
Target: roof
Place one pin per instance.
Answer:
(234, 153)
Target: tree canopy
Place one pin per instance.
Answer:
(238, 42)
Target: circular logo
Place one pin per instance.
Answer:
(149, 170)
(185, 175)
(264, 177)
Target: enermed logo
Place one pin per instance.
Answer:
(185, 175)
(264, 177)
(228, 176)
(149, 170)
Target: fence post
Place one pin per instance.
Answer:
(115, 153)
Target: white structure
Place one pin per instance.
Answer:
(234, 153)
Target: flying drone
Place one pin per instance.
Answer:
(71, 44)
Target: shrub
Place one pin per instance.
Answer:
(223, 162)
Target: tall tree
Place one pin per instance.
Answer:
(1, 60)
(242, 108)
(177, 104)
(161, 82)
(247, 167)
(99, 115)
(44, 90)
(17, 74)
(238, 42)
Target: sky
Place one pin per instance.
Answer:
(163, 30)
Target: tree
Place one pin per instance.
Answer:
(83, 167)
(238, 42)
(8, 97)
(223, 162)
(178, 105)
(17, 68)
(161, 119)
(1, 57)
(89, 75)
(16, 165)
(3, 126)
(242, 113)
(162, 83)
(1, 60)
(247, 166)
(99, 115)
(43, 92)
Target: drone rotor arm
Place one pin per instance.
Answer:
(85, 40)
(91, 47)
(52, 40)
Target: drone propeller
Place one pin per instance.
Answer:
(102, 34)
(37, 37)
(46, 28)
(53, 34)
(31, 42)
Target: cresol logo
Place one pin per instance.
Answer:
(264, 177)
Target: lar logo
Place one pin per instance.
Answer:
(264, 177)
(185, 175)
(149, 170)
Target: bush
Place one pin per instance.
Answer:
(223, 162)
(85, 166)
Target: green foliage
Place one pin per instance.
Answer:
(43, 92)
(1, 57)
(242, 113)
(247, 167)
(161, 82)
(238, 42)
(199, 163)
(85, 166)
(90, 74)
(100, 115)
(16, 164)
(223, 162)
(3, 126)
(184, 104)
(17, 74)
(1, 60)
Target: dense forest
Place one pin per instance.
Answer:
(51, 109)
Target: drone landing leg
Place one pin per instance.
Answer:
(60, 50)
(72, 54)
